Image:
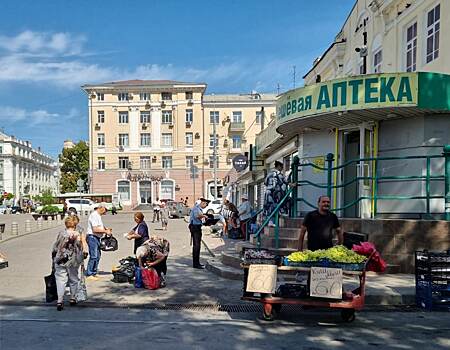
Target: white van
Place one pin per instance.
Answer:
(78, 205)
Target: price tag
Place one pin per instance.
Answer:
(262, 279)
(326, 283)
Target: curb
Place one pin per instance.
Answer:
(26, 234)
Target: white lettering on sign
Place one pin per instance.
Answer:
(326, 283)
(262, 279)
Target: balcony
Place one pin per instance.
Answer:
(237, 127)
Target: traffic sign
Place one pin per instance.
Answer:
(80, 183)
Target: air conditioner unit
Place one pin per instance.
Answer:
(196, 159)
(163, 104)
(225, 143)
(97, 126)
(144, 125)
(188, 124)
(121, 149)
(190, 101)
(154, 159)
(197, 135)
(130, 97)
(170, 125)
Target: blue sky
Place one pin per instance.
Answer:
(49, 48)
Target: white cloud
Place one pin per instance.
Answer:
(58, 59)
(41, 43)
(36, 117)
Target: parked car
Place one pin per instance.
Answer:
(214, 207)
(178, 209)
(76, 205)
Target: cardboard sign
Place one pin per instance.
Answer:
(262, 279)
(326, 283)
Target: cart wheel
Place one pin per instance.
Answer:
(267, 312)
(348, 315)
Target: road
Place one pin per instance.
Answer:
(185, 315)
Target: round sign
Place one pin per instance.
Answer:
(80, 182)
(240, 162)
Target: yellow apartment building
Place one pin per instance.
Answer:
(147, 135)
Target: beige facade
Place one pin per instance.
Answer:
(402, 35)
(145, 136)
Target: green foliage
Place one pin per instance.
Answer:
(46, 198)
(338, 253)
(50, 209)
(75, 165)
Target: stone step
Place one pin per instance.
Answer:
(283, 242)
(217, 267)
(283, 232)
(231, 259)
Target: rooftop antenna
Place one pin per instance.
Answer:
(278, 88)
(293, 68)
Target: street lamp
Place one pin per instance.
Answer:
(214, 148)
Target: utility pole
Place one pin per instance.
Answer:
(293, 67)
(214, 149)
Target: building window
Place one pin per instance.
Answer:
(211, 162)
(123, 188)
(100, 117)
(189, 95)
(433, 29)
(377, 59)
(167, 117)
(189, 139)
(166, 96)
(144, 96)
(167, 188)
(123, 140)
(258, 117)
(123, 96)
(166, 162)
(123, 162)
(101, 163)
(100, 139)
(189, 116)
(213, 144)
(237, 117)
(214, 117)
(189, 162)
(100, 96)
(166, 140)
(123, 117)
(411, 48)
(236, 141)
(145, 117)
(146, 140)
(145, 162)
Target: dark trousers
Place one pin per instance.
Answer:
(161, 267)
(196, 234)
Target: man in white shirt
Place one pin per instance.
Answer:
(95, 231)
(156, 209)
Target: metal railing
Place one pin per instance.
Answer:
(375, 179)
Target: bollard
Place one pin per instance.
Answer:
(27, 226)
(39, 223)
(58, 217)
(15, 229)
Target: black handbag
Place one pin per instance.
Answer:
(109, 244)
(51, 293)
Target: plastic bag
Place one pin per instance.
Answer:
(376, 263)
(82, 291)
(150, 278)
(138, 283)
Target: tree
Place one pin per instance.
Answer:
(46, 198)
(74, 165)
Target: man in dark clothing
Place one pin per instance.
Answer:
(195, 226)
(320, 224)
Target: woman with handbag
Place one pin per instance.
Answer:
(67, 256)
(139, 233)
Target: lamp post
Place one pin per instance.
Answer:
(214, 149)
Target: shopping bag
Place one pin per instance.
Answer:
(138, 283)
(108, 244)
(82, 291)
(150, 278)
(51, 294)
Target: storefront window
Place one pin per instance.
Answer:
(167, 189)
(123, 187)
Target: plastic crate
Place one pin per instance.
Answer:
(432, 270)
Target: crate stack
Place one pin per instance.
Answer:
(433, 280)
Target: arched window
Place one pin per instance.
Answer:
(123, 187)
(167, 189)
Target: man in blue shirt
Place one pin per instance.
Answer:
(195, 226)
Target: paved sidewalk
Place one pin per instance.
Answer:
(381, 289)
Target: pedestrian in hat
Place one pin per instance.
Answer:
(195, 226)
